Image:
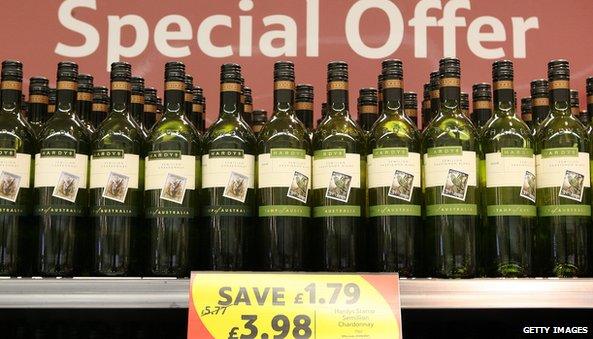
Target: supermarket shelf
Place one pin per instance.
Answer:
(415, 293)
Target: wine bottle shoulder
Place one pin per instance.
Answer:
(451, 131)
(284, 132)
(506, 131)
(562, 131)
(16, 133)
(64, 132)
(393, 131)
(229, 133)
(339, 131)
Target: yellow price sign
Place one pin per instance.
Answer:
(293, 305)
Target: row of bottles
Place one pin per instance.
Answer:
(456, 201)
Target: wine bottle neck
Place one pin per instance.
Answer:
(393, 97)
(66, 98)
(337, 98)
(174, 104)
(450, 96)
(284, 98)
(504, 98)
(230, 100)
(120, 98)
(11, 94)
(560, 97)
(37, 107)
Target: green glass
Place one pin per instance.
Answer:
(228, 203)
(60, 183)
(115, 189)
(38, 101)
(170, 204)
(84, 102)
(338, 230)
(395, 219)
(564, 218)
(507, 146)
(452, 203)
(17, 141)
(284, 148)
(137, 104)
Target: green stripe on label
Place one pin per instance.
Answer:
(564, 211)
(114, 211)
(7, 152)
(444, 151)
(288, 153)
(560, 152)
(227, 211)
(336, 211)
(169, 212)
(330, 153)
(226, 153)
(285, 211)
(70, 211)
(451, 209)
(395, 210)
(520, 152)
(58, 152)
(511, 210)
(158, 155)
(108, 153)
(390, 152)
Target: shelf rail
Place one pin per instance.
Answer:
(104, 293)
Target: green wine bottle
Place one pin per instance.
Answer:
(150, 108)
(434, 94)
(100, 105)
(284, 180)
(563, 183)
(394, 185)
(188, 98)
(61, 166)
(171, 185)
(198, 108)
(38, 101)
(368, 111)
(228, 180)
(411, 106)
(540, 102)
(481, 104)
(425, 106)
(115, 177)
(510, 192)
(137, 103)
(450, 148)
(527, 114)
(305, 95)
(17, 142)
(339, 180)
(84, 102)
(589, 89)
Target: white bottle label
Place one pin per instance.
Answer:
(336, 171)
(566, 168)
(171, 172)
(115, 172)
(512, 167)
(63, 169)
(229, 168)
(286, 167)
(451, 168)
(15, 173)
(396, 168)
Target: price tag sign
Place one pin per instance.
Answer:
(293, 305)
